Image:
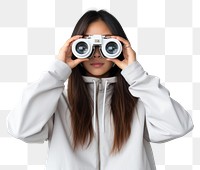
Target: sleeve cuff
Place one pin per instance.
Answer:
(133, 72)
(60, 69)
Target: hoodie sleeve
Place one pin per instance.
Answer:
(165, 118)
(32, 118)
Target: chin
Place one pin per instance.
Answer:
(102, 75)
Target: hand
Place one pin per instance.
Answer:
(65, 53)
(128, 52)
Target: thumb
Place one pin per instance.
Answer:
(74, 63)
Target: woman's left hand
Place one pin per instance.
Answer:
(128, 52)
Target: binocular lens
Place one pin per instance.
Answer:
(81, 48)
(111, 48)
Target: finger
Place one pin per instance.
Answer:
(79, 60)
(123, 40)
(69, 41)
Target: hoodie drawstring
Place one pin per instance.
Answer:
(103, 107)
(95, 94)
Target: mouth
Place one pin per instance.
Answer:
(97, 64)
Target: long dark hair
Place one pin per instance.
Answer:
(122, 102)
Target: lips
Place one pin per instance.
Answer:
(97, 64)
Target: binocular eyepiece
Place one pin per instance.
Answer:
(109, 47)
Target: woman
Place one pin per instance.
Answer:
(109, 112)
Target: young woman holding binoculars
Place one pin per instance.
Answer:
(110, 110)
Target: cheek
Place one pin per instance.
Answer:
(86, 65)
(109, 65)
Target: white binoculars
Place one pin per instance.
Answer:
(84, 47)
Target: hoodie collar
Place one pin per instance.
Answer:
(102, 81)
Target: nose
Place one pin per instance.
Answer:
(97, 53)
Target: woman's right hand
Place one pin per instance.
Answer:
(65, 53)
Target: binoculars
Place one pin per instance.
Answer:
(109, 47)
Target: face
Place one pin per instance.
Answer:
(97, 65)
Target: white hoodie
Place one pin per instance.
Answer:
(43, 114)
